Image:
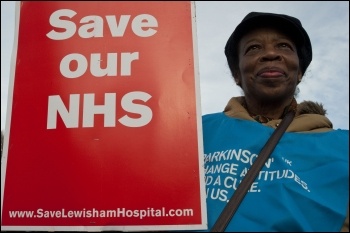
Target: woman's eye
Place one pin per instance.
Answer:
(252, 48)
(285, 45)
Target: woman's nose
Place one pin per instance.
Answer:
(270, 54)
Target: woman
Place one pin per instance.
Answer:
(303, 186)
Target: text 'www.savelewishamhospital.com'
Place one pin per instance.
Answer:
(94, 213)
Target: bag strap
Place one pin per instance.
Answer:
(236, 199)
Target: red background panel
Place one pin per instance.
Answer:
(103, 168)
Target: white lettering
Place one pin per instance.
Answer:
(129, 106)
(95, 64)
(82, 65)
(92, 25)
(144, 21)
(70, 115)
(69, 26)
(108, 110)
(92, 28)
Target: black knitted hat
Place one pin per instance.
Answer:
(290, 25)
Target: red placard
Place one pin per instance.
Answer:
(104, 126)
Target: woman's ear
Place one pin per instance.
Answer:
(238, 82)
(237, 78)
(300, 76)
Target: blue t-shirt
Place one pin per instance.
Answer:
(303, 186)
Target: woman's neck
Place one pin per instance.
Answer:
(267, 111)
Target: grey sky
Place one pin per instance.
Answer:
(326, 81)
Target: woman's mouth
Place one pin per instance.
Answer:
(271, 72)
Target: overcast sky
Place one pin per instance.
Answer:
(327, 78)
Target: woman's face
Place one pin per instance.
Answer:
(268, 65)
